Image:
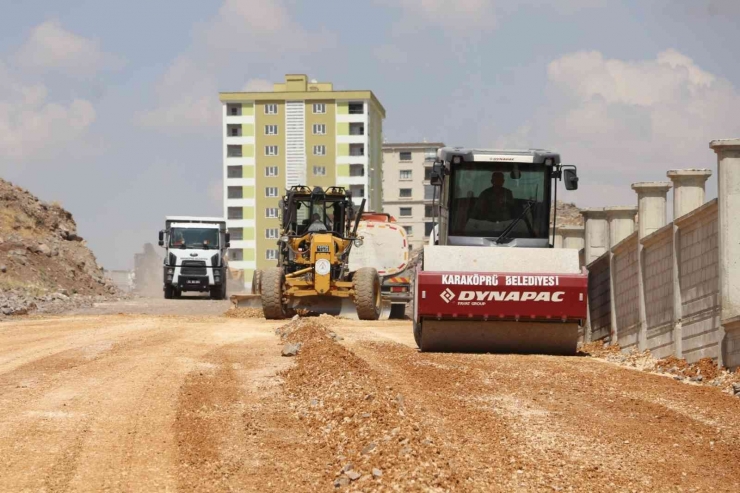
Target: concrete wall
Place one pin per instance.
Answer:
(666, 285)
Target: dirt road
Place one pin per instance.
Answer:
(129, 397)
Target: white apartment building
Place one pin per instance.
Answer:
(407, 194)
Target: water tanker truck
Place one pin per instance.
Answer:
(491, 280)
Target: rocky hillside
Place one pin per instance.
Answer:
(568, 215)
(42, 258)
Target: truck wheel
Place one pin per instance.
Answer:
(272, 286)
(398, 311)
(257, 282)
(417, 334)
(169, 292)
(366, 285)
(218, 292)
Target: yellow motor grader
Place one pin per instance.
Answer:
(318, 230)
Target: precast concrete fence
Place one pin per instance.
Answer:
(671, 288)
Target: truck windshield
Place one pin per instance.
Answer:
(485, 198)
(194, 238)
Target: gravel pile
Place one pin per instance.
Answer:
(235, 312)
(376, 444)
(18, 302)
(704, 372)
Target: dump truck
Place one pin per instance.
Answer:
(492, 281)
(195, 251)
(318, 231)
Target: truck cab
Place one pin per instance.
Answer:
(195, 257)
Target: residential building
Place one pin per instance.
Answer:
(407, 194)
(300, 133)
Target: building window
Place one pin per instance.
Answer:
(357, 149)
(319, 150)
(428, 227)
(357, 190)
(235, 192)
(404, 174)
(357, 128)
(271, 130)
(405, 212)
(427, 174)
(404, 155)
(271, 233)
(234, 109)
(319, 129)
(409, 230)
(234, 172)
(319, 170)
(271, 150)
(404, 193)
(271, 254)
(236, 254)
(430, 154)
(233, 151)
(356, 170)
(271, 212)
(319, 108)
(431, 212)
(235, 213)
(356, 108)
(234, 130)
(237, 234)
(271, 109)
(428, 192)
(271, 171)
(271, 191)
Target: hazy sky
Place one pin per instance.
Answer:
(111, 108)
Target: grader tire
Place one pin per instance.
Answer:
(366, 285)
(272, 284)
(257, 282)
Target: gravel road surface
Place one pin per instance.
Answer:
(170, 395)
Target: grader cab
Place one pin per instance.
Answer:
(318, 231)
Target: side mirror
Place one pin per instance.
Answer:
(571, 179)
(437, 175)
(161, 238)
(228, 244)
(228, 237)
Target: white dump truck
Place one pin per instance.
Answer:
(195, 255)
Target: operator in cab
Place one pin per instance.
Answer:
(317, 225)
(494, 203)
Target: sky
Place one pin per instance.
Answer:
(112, 110)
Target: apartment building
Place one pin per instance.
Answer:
(407, 194)
(300, 133)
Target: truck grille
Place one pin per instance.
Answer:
(193, 268)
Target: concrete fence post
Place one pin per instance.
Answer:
(728, 187)
(558, 238)
(572, 237)
(651, 206)
(688, 194)
(621, 223)
(595, 244)
(595, 232)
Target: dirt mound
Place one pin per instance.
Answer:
(235, 312)
(362, 420)
(568, 214)
(41, 253)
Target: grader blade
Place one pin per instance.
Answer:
(246, 300)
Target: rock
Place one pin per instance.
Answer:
(736, 389)
(678, 377)
(44, 249)
(3, 269)
(291, 349)
(697, 378)
(399, 401)
(377, 473)
(368, 448)
(342, 481)
(295, 317)
(347, 467)
(354, 475)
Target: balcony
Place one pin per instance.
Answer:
(358, 191)
(356, 170)
(233, 130)
(357, 150)
(234, 151)
(356, 108)
(357, 129)
(233, 110)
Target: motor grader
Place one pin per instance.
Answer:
(318, 231)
